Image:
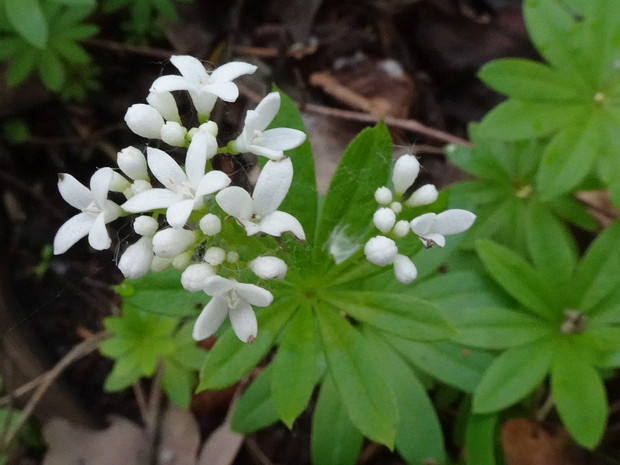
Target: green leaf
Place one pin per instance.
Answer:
(597, 274)
(295, 367)
(513, 375)
(519, 278)
(28, 20)
(529, 80)
(9, 46)
(516, 119)
(350, 202)
(22, 65)
(403, 315)
(125, 372)
(480, 438)
(334, 439)
(178, 383)
(450, 363)
(569, 158)
(551, 246)
(161, 293)
(255, 409)
(230, 359)
(51, 70)
(74, 3)
(363, 389)
(579, 395)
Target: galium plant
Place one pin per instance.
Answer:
(281, 270)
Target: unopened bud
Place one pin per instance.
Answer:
(194, 276)
(165, 104)
(269, 267)
(144, 120)
(132, 162)
(215, 256)
(170, 242)
(405, 172)
(425, 195)
(380, 250)
(404, 269)
(384, 219)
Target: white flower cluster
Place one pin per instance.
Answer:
(431, 228)
(190, 238)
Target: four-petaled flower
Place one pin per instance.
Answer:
(431, 227)
(204, 88)
(96, 211)
(183, 191)
(234, 299)
(269, 143)
(258, 213)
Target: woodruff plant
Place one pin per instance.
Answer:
(310, 270)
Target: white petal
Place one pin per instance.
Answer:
(272, 186)
(210, 319)
(453, 221)
(100, 184)
(259, 150)
(137, 258)
(74, 192)
(72, 231)
(169, 83)
(430, 239)
(203, 101)
(404, 269)
(144, 120)
(190, 67)
(283, 138)
(151, 199)
(166, 170)
(170, 242)
(227, 91)
(98, 237)
(243, 321)
(254, 294)
(405, 172)
(423, 223)
(212, 182)
(216, 285)
(165, 104)
(196, 159)
(111, 211)
(178, 213)
(277, 223)
(232, 70)
(266, 111)
(235, 201)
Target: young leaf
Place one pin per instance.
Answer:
(295, 367)
(579, 396)
(255, 409)
(480, 434)
(51, 70)
(519, 278)
(334, 439)
(178, 383)
(357, 373)
(350, 202)
(230, 359)
(512, 376)
(28, 20)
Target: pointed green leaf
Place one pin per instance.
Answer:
(230, 359)
(295, 367)
(529, 80)
(22, 65)
(178, 383)
(519, 278)
(334, 440)
(125, 372)
(480, 439)
(28, 20)
(403, 315)
(255, 409)
(350, 202)
(51, 70)
(356, 371)
(579, 395)
(516, 119)
(512, 376)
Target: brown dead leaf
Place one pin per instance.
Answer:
(222, 447)
(122, 443)
(180, 438)
(599, 205)
(527, 443)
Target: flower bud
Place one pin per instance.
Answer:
(170, 242)
(136, 260)
(269, 267)
(425, 195)
(172, 133)
(194, 275)
(160, 264)
(404, 269)
(210, 224)
(145, 225)
(384, 219)
(383, 196)
(119, 183)
(232, 257)
(165, 104)
(380, 250)
(215, 256)
(210, 127)
(406, 170)
(401, 229)
(181, 261)
(132, 162)
(396, 207)
(138, 186)
(144, 120)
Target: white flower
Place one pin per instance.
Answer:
(145, 225)
(405, 172)
(144, 120)
(96, 211)
(234, 299)
(183, 192)
(269, 143)
(404, 269)
(431, 228)
(269, 267)
(258, 213)
(401, 229)
(380, 250)
(203, 88)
